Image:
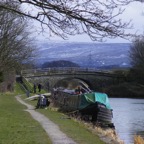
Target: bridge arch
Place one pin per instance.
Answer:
(72, 82)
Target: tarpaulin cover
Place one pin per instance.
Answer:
(88, 98)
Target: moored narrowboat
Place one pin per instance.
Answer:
(90, 106)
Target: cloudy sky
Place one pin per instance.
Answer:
(133, 12)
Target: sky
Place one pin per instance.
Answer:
(134, 12)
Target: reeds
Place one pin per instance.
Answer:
(109, 136)
(138, 140)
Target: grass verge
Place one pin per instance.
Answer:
(73, 129)
(17, 126)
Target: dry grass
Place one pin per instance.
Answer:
(108, 135)
(138, 140)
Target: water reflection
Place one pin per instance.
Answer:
(128, 117)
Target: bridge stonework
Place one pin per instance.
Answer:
(96, 81)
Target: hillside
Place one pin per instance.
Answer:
(60, 63)
(85, 54)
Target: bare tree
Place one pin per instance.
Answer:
(137, 52)
(97, 18)
(15, 44)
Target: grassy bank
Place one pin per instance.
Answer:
(73, 129)
(17, 126)
(77, 131)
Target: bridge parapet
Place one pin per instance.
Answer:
(48, 71)
(69, 71)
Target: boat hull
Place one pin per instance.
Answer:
(92, 111)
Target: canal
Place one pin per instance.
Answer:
(128, 118)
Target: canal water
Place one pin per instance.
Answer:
(128, 118)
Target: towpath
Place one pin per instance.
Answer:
(52, 130)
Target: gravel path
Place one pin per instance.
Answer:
(52, 130)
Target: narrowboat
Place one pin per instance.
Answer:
(91, 106)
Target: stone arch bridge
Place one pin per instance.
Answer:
(96, 79)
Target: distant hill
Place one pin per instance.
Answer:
(91, 55)
(60, 63)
